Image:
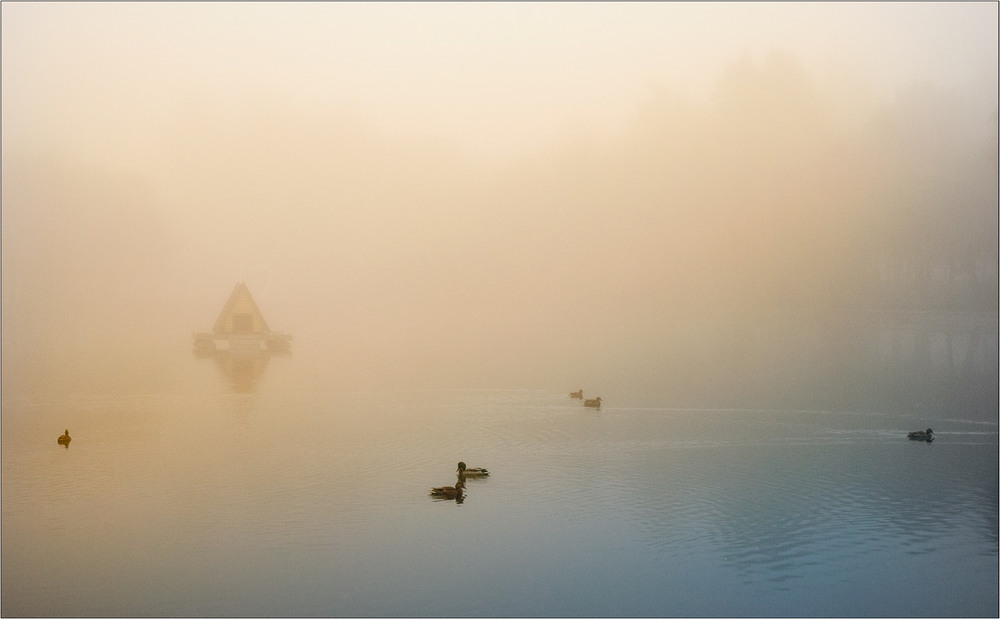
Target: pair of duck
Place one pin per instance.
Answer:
(921, 435)
(455, 492)
(595, 403)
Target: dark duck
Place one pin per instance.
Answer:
(595, 403)
(449, 492)
(64, 439)
(921, 435)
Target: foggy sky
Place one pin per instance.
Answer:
(481, 194)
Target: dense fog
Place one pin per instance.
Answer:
(750, 241)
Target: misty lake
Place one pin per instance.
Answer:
(307, 502)
(765, 234)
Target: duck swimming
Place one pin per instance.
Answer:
(464, 472)
(577, 394)
(449, 492)
(921, 435)
(595, 403)
(64, 439)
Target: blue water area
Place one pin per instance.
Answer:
(311, 503)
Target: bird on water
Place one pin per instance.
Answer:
(449, 492)
(921, 435)
(464, 471)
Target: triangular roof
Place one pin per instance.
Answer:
(240, 301)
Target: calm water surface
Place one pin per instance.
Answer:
(312, 503)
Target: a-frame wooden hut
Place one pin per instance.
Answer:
(241, 325)
(240, 314)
